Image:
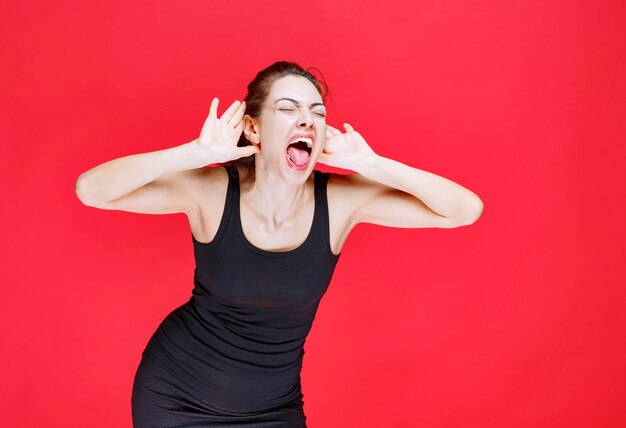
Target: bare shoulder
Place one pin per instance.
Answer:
(203, 182)
(349, 191)
(337, 190)
(200, 185)
(208, 187)
(345, 193)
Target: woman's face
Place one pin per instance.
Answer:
(294, 107)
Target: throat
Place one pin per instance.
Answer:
(273, 204)
(277, 219)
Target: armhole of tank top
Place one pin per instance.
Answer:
(326, 214)
(226, 214)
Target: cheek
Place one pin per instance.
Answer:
(280, 124)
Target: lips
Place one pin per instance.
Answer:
(311, 136)
(298, 153)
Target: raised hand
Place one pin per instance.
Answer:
(218, 137)
(344, 150)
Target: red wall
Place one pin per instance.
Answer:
(515, 321)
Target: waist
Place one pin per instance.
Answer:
(200, 358)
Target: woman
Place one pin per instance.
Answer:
(267, 232)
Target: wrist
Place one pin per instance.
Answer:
(367, 163)
(198, 156)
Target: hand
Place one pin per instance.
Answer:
(345, 151)
(219, 137)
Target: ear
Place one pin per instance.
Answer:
(251, 129)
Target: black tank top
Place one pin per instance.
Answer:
(237, 344)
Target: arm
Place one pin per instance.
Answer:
(162, 182)
(390, 193)
(148, 182)
(397, 195)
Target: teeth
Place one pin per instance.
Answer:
(308, 141)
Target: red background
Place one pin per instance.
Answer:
(515, 321)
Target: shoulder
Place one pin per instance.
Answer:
(207, 181)
(204, 186)
(353, 186)
(345, 193)
(208, 187)
(351, 194)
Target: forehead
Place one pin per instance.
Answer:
(297, 87)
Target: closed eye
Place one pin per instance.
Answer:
(290, 109)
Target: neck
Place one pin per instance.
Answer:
(272, 197)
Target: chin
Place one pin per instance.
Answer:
(299, 177)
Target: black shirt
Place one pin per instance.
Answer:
(237, 344)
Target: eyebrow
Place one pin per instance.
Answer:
(297, 103)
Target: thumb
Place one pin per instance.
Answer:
(250, 150)
(323, 158)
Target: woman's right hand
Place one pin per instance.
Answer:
(219, 137)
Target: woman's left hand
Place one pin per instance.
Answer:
(346, 150)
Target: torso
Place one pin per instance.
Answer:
(211, 196)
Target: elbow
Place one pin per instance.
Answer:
(470, 214)
(81, 188)
(474, 212)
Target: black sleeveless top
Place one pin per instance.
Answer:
(237, 344)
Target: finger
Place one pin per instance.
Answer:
(348, 127)
(213, 109)
(323, 158)
(250, 150)
(334, 131)
(328, 147)
(229, 112)
(212, 115)
(236, 119)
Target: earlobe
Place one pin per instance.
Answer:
(251, 137)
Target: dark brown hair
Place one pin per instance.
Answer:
(259, 89)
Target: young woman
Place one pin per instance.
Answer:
(267, 231)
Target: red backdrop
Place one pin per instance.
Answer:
(515, 321)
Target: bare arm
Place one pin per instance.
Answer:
(116, 178)
(395, 194)
(161, 182)
(390, 193)
(111, 181)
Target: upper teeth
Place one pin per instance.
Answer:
(308, 141)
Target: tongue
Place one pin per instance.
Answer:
(298, 156)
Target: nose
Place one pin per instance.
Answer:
(306, 119)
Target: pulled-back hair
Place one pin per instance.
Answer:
(259, 89)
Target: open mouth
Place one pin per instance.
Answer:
(299, 152)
